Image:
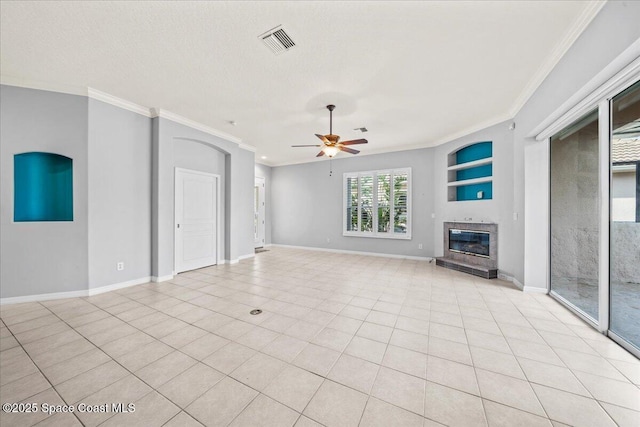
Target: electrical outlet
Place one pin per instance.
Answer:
(120, 266)
(515, 216)
(419, 245)
(433, 215)
(328, 240)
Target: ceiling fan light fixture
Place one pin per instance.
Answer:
(330, 150)
(331, 144)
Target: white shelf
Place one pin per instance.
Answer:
(470, 181)
(459, 170)
(468, 165)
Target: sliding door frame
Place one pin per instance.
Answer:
(604, 190)
(600, 97)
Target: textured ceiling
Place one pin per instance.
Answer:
(414, 73)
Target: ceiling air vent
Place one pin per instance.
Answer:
(277, 40)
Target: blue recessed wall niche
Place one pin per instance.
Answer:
(43, 187)
(471, 172)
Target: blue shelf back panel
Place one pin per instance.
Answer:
(477, 172)
(470, 192)
(43, 187)
(477, 151)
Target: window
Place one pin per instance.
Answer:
(378, 204)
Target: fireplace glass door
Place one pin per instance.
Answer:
(575, 215)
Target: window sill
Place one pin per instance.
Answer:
(378, 236)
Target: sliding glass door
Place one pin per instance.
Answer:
(575, 215)
(624, 290)
(595, 216)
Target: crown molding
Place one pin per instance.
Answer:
(118, 102)
(158, 112)
(247, 147)
(121, 103)
(43, 85)
(585, 18)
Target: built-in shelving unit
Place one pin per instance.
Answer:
(470, 172)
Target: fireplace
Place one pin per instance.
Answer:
(471, 247)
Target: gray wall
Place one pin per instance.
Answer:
(242, 203)
(123, 181)
(497, 210)
(43, 257)
(264, 171)
(238, 189)
(307, 203)
(119, 194)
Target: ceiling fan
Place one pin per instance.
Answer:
(330, 143)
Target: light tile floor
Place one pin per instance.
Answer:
(343, 340)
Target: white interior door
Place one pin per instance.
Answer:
(195, 219)
(258, 212)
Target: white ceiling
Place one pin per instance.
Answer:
(416, 74)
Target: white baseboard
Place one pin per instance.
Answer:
(343, 251)
(534, 290)
(247, 256)
(161, 278)
(511, 279)
(73, 294)
(44, 297)
(121, 285)
(504, 276)
(232, 261)
(518, 283)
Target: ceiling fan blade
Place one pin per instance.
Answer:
(347, 150)
(354, 142)
(320, 154)
(322, 138)
(315, 145)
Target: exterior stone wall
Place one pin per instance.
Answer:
(625, 252)
(575, 205)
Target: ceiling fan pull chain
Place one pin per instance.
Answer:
(330, 166)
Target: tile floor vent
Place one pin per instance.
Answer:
(277, 40)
